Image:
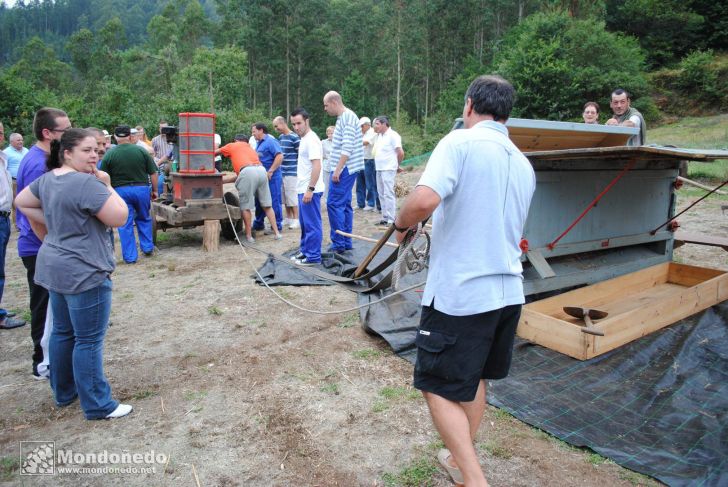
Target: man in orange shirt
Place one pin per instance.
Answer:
(251, 182)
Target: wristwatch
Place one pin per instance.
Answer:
(312, 188)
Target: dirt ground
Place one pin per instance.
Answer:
(234, 387)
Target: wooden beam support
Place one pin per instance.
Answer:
(211, 236)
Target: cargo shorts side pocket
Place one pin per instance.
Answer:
(432, 354)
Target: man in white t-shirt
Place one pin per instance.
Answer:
(310, 187)
(478, 188)
(388, 154)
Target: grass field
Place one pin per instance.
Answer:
(697, 133)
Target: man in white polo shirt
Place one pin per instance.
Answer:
(388, 154)
(310, 187)
(478, 187)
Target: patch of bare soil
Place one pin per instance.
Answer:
(236, 388)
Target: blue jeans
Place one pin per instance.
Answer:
(309, 215)
(138, 200)
(77, 349)
(4, 238)
(338, 206)
(160, 183)
(276, 185)
(370, 173)
(361, 189)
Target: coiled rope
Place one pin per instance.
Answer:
(301, 308)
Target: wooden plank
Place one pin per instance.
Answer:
(539, 263)
(621, 285)
(690, 275)
(542, 135)
(651, 317)
(549, 332)
(683, 237)
(635, 152)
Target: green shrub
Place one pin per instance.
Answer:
(557, 63)
(698, 76)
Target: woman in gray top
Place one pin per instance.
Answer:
(70, 208)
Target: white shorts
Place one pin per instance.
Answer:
(290, 194)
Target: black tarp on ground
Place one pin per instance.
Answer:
(658, 405)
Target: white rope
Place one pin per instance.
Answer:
(411, 259)
(301, 308)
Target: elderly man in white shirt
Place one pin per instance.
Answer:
(15, 153)
(388, 154)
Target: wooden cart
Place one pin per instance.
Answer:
(212, 213)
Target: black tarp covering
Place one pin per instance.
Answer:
(658, 405)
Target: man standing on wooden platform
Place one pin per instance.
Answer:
(130, 167)
(472, 300)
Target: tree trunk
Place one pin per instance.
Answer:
(399, 57)
(288, 70)
(300, 68)
(270, 97)
(212, 95)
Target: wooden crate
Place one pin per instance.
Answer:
(638, 304)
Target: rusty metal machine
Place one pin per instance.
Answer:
(196, 190)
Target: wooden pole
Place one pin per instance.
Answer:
(365, 239)
(698, 185)
(211, 236)
(377, 247)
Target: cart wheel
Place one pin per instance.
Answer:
(228, 230)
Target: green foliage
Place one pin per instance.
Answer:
(137, 61)
(39, 66)
(556, 63)
(666, 29)
(698, 76)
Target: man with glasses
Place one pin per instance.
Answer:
(48, 125)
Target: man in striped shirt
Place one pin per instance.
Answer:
(289, 145)
(347, 159)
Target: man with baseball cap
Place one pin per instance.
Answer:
(130, 167)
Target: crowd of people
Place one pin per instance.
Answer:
(302, 171)
(69, 198)
(102, 183)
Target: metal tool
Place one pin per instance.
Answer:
(587, 315)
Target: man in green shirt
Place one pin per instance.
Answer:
(130, 168)
(627, 116)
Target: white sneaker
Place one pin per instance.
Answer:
(286, 221)
(368, 208)
(120, 411)
(293, 224)
(298, 255)
(304, 262)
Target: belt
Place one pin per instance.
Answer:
(5, 213)
(132, 184)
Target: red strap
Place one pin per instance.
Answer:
(593, 203)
